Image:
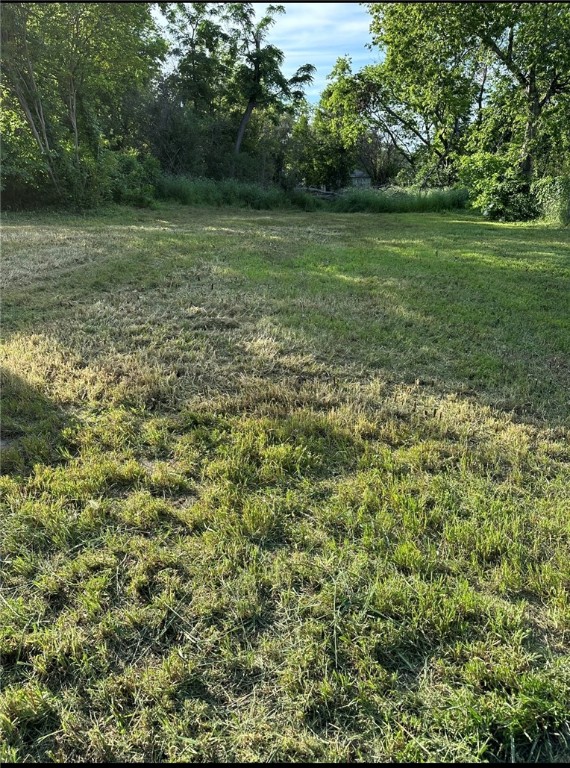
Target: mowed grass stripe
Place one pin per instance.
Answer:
(284, 486)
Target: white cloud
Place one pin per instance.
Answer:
(318, 33)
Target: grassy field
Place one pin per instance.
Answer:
(284, 486)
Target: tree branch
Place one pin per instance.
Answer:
(556, 86)
(505, 58)
(407, 125)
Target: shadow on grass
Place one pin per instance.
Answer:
(377, 306)
(459, 303)
(465, 308)
(31, 426)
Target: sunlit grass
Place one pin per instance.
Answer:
(284, 486)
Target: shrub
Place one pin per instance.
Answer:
(510, 199)
(134, 177)
(85, 181)
(552, 197)
(496, 187)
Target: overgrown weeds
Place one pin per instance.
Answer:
(230, 192)
(246, 195)
(398, 200)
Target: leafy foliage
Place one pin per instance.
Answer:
(553, 198)
(498, 189)
(476, 95)
(68, 71)
(484, 78)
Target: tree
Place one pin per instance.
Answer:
(318, 152)
(376, 155)
(258, 76)
(204, 52)
(68, 70)
(519, 49)
(226, 72)
(423, 123)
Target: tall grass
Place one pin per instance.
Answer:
(230, 192)
(396, 200)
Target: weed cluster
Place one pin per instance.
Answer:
(230, 192)
(247, 195)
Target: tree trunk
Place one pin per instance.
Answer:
(20, 76)
(73, 118)
(243, 125)
(534, 110)
(480, 96)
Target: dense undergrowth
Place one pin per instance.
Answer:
(240, 194)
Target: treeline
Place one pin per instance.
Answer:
(471, 93)
(90, 115)
(101, 102)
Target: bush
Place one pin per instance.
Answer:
(552, 195)
(133, 178)
(510, 199)
(496, 187)
(85, 181)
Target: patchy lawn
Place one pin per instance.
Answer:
(284, 487)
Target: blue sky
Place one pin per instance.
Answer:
(318, 33)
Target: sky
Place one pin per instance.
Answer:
(318, 33)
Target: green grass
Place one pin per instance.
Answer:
(230, 192)
(284, 486)
(398, 200)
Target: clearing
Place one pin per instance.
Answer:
(284, 486)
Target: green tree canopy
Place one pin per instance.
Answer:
(517, 53)
(67, 71)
